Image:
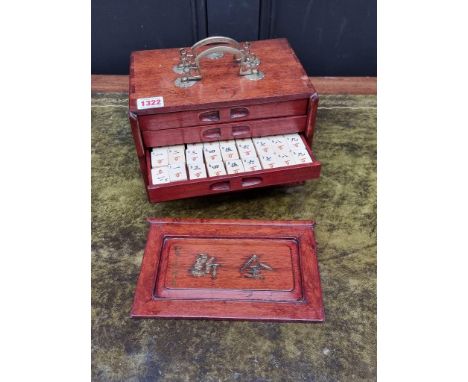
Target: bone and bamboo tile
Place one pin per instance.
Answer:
(251, 164)
(197, 171)
(176, 154)
(195, 146)
(216, 169)
(211, 159)
(160, 175)
(301, 156)
(246, 148)
(228, 150)
(294, 141)
(212, 154)
(263, 145)
(194, 155)
(159, 157)
(268, 161)
(177, 172)
(280, 144)
(234, 166)
(286, 158)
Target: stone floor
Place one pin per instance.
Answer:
(342, 201)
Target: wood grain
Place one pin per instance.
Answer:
(280, 283)
(224, 131)
(151, 74)
(105, 83)
(194, 118)
(290, 291)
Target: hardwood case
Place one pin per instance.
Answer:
(223, 105)
(229, 269)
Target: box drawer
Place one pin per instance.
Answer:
(228, 114)
(224, 131)
(238, 182)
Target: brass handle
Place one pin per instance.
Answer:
(189, 64)
(220, 40)
(239, 54)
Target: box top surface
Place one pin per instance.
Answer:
(229, 269)
(152, 75)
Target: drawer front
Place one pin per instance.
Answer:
(229, 183)
(224, 131)
(230, 114)
(238, 182)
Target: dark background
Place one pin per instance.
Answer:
(330, 37)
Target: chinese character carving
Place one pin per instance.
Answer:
(253, 268)
(204, 265)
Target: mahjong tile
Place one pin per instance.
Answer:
(285, 159)
(229, 152)
(227, 143)
(280, 144)
(248, 153)
(245, 143)
(195, 146)
(210, 144)
(158, 171)
(268, 161)
(251, 164)
(216, 169)
(294, 141)
(301, 156)
(160, 175)
(269, 165)
(176, 154)
(246, 148)
(197, 171)
(212, 154)
(194, 156)
(263, 145)
(177, 172)
(177, 149)
(159, 157)
(234, 166)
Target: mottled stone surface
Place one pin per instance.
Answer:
(342, 201)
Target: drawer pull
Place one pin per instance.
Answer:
(240, 130)
(239, 112)
(252, 181)
(209, 116)
(220, 186)
(212, 133)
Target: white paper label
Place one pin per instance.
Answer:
(150, 103)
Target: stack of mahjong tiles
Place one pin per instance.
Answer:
(211, 159)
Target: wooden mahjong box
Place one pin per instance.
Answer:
(221, 116)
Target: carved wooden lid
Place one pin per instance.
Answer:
(230, 269)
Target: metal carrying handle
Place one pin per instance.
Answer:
(215, 40)
(187, 54)
(219, 49)
(189, 64)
